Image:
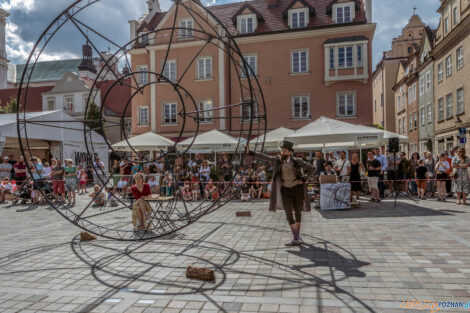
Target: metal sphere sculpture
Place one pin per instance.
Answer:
(211, 35)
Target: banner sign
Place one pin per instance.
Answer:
(367, 138)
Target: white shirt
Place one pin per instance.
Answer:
(443, 167)
(122, 184)
(47, 171)
(8, 187)
(343, 166)
(98, 168)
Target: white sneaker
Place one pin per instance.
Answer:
(301, 240)
(293, 243)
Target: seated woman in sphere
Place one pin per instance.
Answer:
(141, 209)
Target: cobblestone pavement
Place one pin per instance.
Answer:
(369, 259)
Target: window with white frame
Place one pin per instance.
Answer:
(143, 115)
(299, 61)
(169, 113)
(459, 56)
(204, 68)
(332, 58)
(460, 103)
(428, 81)
(399, 102)
(449, 105)
(298, 18)
(448, 66)
(128, 126)
(206, 113)
(440, 75)
(246, 111)
(359, 56)
(399, 126)
(455, 16)
(68, 103)
(246, 23)
(410, 120)
(440, 109)
(51, 104)
(415, 120)
(343, 14)
(300, 107)
(186, 28)
(143, 74)
(421, 85)
(169, 70)
(346, 104)
(429, 112)
(422, 115)
(250, 66)
(404, 124)
(446, 25)
(410, 95)
(144, 38)
(345, 57)
(414, 92)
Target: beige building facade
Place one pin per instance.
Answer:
(451, 74)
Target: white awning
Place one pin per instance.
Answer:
(273, 138)
(144, 142)
(327, 130)
(214, 141)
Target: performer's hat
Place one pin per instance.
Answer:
(287, 144)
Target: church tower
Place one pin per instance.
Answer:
(3, 53)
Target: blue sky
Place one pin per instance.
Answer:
(30, 17)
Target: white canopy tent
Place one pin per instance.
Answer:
(273, 138)
(211, 141)
(144, 142)
(326, 130)
(54, 130)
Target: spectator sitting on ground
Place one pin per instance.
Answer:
(112, 201)
(6, 189)
(196, 192)
(122, 186)
(99, 198)
(154, 184)
(187, 196)
(256, 189)
(245, 191)
(210, 191)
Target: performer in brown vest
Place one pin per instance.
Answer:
(288, 189)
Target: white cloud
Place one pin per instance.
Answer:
(17, 4)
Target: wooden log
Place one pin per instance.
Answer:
(243, 213)
(200, 273)
(85, 236)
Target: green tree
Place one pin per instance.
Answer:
(93, 118)
(10, 107)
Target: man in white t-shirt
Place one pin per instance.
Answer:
(343, 166)
(5, 168)
(98, 171)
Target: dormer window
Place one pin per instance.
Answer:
(144, 39)
(298, 18)
(246, 23)
(186, 28)
(343, 12)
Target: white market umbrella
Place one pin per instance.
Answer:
(273, 138)
(145, 142)
(326, 130)
(389, 134)
(213, 140)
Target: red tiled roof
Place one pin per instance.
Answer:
(249, 7)
(33, 101)
(273, 19)
(117, 97)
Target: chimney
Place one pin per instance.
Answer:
(272, 4)
(153, 5)
(3, 54)
(368, 9)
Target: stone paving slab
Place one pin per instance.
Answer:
(369, 259)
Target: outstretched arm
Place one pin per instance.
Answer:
(259, 155)
(309, 167)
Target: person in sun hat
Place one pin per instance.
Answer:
(288, 189)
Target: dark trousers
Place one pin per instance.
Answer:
(448, 185)
(292, 201)
(381, 186)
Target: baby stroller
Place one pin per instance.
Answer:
(47, 189)
(23, 193)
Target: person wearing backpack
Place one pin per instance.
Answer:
(404, 171)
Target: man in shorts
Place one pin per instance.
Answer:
(373, 167)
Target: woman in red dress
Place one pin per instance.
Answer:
(141, 209)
